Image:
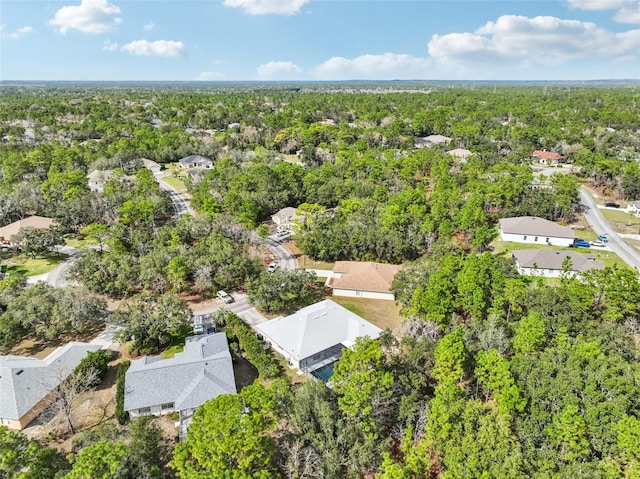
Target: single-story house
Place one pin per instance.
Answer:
(315, 336)
(35, 222)
(431, 140)
(547, 157)
(531, 229)
(97, 179)
(26, 382)
(549, 263)
(152, 166)
(285, 218)
(201, 372)
(363, 279)
(460, 154)
(195, 161)
(634, 208)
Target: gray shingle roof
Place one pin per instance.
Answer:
(201, 372)
(553, 259)
(195, 159)
(532, 225)
(316, 328)
(25, 381)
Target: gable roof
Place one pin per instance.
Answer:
(287, 213)
(201, 372)
(38, 222)
(316, 328)
(547, 155)
(553, 259)
(186, 161)
(25, 381)
(364, 276)
(532, 225)
(437, 139)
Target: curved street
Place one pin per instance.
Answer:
(180, 202)
(600, 225)
(285, 258)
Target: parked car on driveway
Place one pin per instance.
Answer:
(600, 244)
(611, 204)
(198, 329)
(580, 243)
(272, 267)
(224, 296)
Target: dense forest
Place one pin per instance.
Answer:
(494, 376)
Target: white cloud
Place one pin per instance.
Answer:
(522, 41)
(628, 10)
(109, 46)
(266, 7)
(149, 26)
(17, 34)
(159, 48)
(388, 66)
(208, 76)
(279, 71)
(91, 16)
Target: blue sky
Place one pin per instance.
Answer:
(319, 40)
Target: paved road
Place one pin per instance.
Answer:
(285, 258)
(180, 202)
(601, 225)
(241, 306)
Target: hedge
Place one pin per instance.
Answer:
(121, 415)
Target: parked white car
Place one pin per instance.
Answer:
(224, 296)
(597, 243)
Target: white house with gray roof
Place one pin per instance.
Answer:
(634, 208)
(553, 264)
(316, 335)
(201, 372)
(195, 161)
(531, 229)
(26, 382)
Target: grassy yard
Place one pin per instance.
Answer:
(22, 264)
(384, 314)
(622, 222)
(303, 260)
(609, 258)
(177, 342)
(175, 182)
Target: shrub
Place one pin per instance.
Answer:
(94, 360)
(121, 415)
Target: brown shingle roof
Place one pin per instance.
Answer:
(38, 222)
(364, 276)
(547, 155)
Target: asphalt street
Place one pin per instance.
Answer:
(600, 225)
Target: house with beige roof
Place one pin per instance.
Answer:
(370, 280)
(531, 229)
(97, 179)
(553, 263)
(285, 218)
(35, 222)
(460, 154)
(26, 383)
(427, 141)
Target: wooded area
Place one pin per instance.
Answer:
(496, 375)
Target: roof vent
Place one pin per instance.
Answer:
(19, 372)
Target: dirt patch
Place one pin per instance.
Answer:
(244, 372)
(41, 348)
(305, 261)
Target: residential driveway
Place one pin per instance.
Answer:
(107, 338)
(285, 258)
(241, 306)
(601, 225)
(180, 202)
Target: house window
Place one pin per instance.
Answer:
(547, 240)
(525, 238)
(535, 239)
(144, 410)
(166, 406)
(6, 422)
(359, 294)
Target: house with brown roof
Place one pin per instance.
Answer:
(363, 279)
(531, 229)
(552, 263)
(35, 222)
(547, 157)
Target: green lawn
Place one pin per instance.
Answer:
(620, 217)
(177, 342)
(384, 314)
(175, 182)
(22, 264)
